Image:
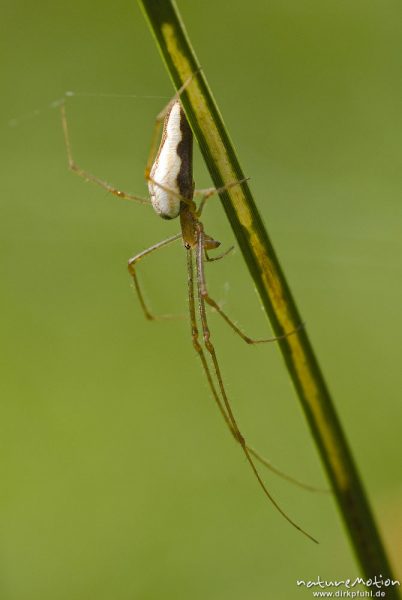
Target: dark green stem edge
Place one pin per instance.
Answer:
(223, 165)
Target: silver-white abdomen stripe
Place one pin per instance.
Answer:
(166, 168)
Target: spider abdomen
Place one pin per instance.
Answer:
(171, 174)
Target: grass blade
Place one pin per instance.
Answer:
(274, 291)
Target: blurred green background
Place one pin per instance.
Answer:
(118, 478)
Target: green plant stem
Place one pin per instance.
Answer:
(264, 268)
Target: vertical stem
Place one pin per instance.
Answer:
(264, 267)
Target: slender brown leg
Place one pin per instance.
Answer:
(208, 192)
(268, 464)
(245, 337)
(131, 269)
(207, 298)
(233, 423)
(88, 176)
(199, 350)
(194, 335)
(214, 258)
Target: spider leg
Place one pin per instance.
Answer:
(208, 192)
(219, 257)
(88, 176)
(211, 302)
(132, 270)
(226, 406)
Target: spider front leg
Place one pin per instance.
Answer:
(88, 176)
(132, 270)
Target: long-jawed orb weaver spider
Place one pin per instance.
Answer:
(171, 187)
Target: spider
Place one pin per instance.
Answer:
(169, 174)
